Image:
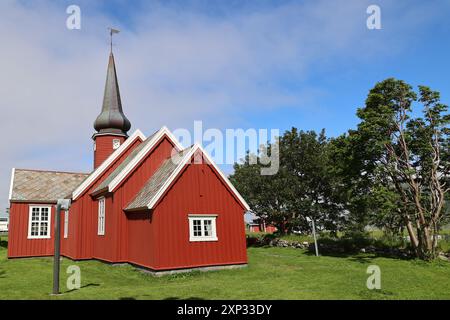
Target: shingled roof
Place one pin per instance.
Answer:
(43, 186)
(156, 182)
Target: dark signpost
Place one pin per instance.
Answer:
(62, 204)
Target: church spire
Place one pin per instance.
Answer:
(112, 120)
(111, 125)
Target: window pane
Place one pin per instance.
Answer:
(34, 228)
(44, 228)
(197, 228)
(35, 214)
(207, 228)
(44, 215)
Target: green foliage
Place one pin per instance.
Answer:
(303, 187)
(394, 165)
(392, 172)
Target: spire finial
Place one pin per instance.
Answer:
(112, 31)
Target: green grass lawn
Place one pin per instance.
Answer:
(273, 273)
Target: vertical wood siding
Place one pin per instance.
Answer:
(165, 231)
(127, 191)
(104, 148)
(18, 243)
(84, 213)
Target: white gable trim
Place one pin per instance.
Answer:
(225, 178)
(101, 169)
(177, 171)
(141, 155)
(172, 177)
(13, 172)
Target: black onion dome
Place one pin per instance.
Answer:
(112, 119)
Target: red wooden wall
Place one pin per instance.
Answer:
(104, 148)
(114, 245)
(83, 217)
(165, 232)
(159, 239)
(18, 243)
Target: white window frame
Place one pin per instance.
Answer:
(66, 224)
(202, 218)
(39, 221)
(101, 216)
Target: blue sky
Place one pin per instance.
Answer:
(231, 64)
(420, 55)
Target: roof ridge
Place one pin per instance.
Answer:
(130, 167)
(165, 175)
(52, 171)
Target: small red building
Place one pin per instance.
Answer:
(149, 202)
(255, 224)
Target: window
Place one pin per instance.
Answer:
(39, 222)
(66, 224)
(116, 144)
(202, 227)
(101, 217)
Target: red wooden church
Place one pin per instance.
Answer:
(148, 202)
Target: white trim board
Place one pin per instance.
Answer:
(181, 165)
(141, 155)
(202, 237)
(49, 222)
(13, 173)
(101, 169)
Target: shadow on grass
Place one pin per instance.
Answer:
(376, 294)
(127, 298)
(4, 244)
(359, 256)
(85, 286)
(178, 298)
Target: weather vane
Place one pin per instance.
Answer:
(112, 31)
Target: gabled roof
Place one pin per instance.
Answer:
(105, 165)
(162, 179)
(122, 166)
(131, 162)
(43, 186)
(155, 183)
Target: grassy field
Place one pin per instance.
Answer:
(273, 273)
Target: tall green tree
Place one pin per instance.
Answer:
(409, 154)
(303, 186)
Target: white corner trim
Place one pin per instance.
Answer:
(13, 172)
(183, 162)
(141, 155)
(101, 169)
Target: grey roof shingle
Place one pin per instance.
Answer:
(155, 183)
(122, 166)
(44, 186)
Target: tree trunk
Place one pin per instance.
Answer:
(412, 235)
(426, 248)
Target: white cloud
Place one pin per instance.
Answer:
(174, 67)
